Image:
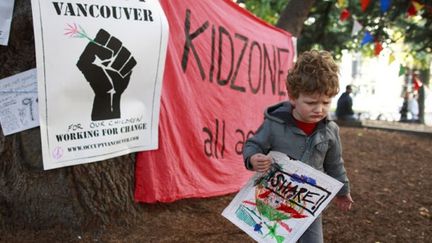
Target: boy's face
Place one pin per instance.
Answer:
(310, 108)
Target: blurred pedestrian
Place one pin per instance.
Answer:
(344, 110)
(413, 108)
(410, 108)
(404, 109)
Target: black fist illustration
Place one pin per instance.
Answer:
(107, 65)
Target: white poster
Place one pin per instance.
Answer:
(280, 205)
(6, 12)
(100, 67)
(19, 102)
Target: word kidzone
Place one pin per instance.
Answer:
(101, 132)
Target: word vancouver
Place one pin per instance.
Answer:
(102, 11)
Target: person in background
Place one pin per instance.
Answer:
(344, 110)
(410, 108)
(413, 108)
(299, 128)
(404, 108)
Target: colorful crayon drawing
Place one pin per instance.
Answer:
(281, 204)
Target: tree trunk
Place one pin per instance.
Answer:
(294, 15)
(75, 197)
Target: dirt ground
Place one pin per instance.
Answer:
(390, 173)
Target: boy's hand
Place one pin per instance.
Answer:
(260, 162)
(344, 203)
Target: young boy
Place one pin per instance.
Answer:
(300, 129)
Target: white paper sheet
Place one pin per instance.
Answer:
(6, 12)
(19, 102)
(100, 67)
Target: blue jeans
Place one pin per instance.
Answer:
(314, 234)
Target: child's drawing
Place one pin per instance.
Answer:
(280, 205)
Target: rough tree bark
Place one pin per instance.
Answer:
(78, 196)
(293, 16)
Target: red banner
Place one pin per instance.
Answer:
(223, 67)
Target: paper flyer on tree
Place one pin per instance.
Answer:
(280, 205)
(100, 66)
(19, 102)
(6, 12)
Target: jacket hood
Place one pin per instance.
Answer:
(280, 112)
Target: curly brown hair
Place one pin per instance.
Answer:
(314, 72)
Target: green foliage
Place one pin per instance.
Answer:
(324, 30)
(268, 10)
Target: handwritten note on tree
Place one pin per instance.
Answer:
(280, 205)
(19, 102)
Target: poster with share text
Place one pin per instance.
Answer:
(280, 205)
(100, 67)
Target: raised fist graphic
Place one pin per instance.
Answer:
(107, 65)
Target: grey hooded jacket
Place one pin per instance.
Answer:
(321, 150)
